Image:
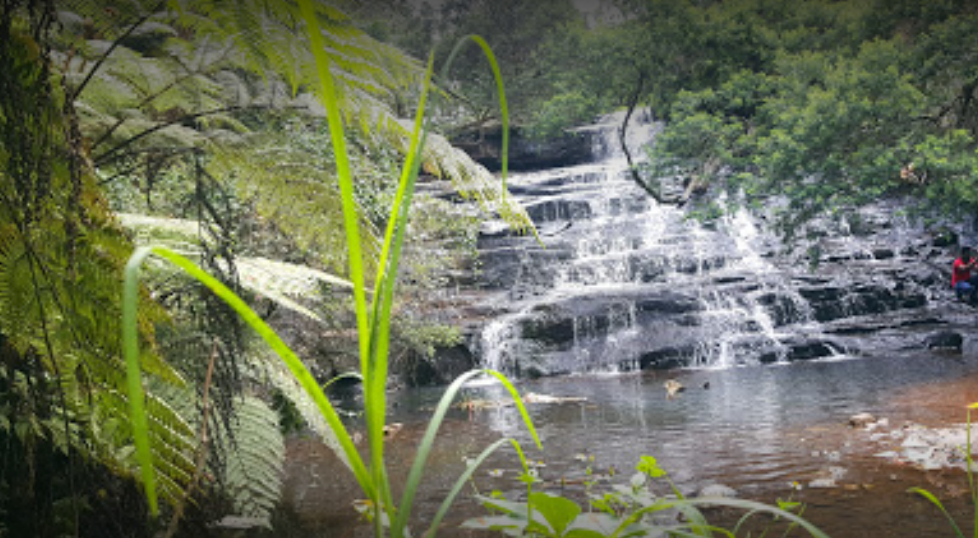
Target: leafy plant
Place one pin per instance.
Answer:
(373, 321)
(627, 510)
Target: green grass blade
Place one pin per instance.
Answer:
(351, 217)
(424, 447)
(460, 483)
(137, 398)
(387, 281)
(411, 167)
(374, 400)
(936, 502)
(347, 375)
(515, 394)
(743, 520)
(697, 520)
(503, 106)
(134, 378)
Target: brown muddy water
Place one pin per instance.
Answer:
(769, 432)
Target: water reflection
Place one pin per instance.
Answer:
(756, 429)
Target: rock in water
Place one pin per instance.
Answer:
(861, 420)
(673, 388)
(391, 430)
(944, 340)
(718, 490)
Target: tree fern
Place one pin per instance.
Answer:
(249, 472)
(131, 94)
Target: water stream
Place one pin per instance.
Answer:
(626, 294)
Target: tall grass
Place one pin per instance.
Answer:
(373, 318)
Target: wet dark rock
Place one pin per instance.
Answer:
(944, 340)
(831, 302)
(551, 210)
(883, 253)
(946, 238)
(801, 348)
(509, 267)
(822, 293)
(666, 358)
(484, 144)
(447, 364)
(784, 308)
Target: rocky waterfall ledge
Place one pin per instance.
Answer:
(621, 283)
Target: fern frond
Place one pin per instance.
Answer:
(253, 474)
(283, 283)
(272, 370)
(286, 283)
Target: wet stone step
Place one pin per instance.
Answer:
(551, 210)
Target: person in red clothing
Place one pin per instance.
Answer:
(964, 283)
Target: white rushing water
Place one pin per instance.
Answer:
(625, 282)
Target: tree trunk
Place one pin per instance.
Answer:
(623, 139)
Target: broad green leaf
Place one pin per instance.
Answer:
(559, 512)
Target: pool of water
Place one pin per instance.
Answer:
(762, 430)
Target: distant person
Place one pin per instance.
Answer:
(964, 283)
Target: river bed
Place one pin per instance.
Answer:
(769, 432)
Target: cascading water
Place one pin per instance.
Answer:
(624, 282)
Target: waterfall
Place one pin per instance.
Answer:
(623, 282)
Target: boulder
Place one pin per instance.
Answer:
(944, 340)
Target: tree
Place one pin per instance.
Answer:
(834, 105)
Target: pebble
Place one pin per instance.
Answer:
(861, 420)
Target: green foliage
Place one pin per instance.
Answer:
(220, 96)
(220, 100)
(631, 509)
(830, 104)
(61, 258)
(517, 31)
(563, 111)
